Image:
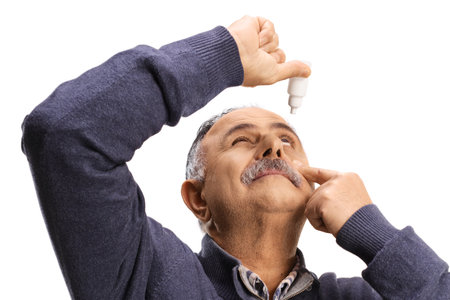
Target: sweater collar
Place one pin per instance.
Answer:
(223, 270)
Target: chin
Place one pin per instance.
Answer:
(281, 198)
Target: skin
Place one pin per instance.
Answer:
(260, 223)
(263, 62)
(246, 220)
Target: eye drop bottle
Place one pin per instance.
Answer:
(297, 90)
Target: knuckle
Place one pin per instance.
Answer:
(282, 55)
(320, 173)
(317, 172)
(352, 176)
(276, 56)
(327, 195)
(323, 210)
(276, 38)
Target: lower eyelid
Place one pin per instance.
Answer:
(241, 139)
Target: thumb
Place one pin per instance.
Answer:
(316, 175)
(293, 68)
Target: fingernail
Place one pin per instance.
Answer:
(306, 72)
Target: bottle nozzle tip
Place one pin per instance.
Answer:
(293, 110)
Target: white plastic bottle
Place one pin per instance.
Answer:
(297, 90)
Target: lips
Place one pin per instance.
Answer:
(270, 172)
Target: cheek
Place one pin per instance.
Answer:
(295, 154)
(223, 190)
(228, 167)
(223, 175)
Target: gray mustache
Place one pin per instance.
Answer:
(265, 164)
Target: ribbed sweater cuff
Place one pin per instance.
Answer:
(366, 233)
(220, 54)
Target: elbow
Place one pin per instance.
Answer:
(35, 127)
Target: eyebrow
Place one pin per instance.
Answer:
(279, 125)
(239, 127)
(276, 125)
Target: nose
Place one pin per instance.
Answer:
(269, 151)
(271, 148)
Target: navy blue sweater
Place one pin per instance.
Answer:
(78, 142)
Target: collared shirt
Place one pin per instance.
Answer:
(257, 287)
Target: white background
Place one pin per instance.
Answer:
(377, 104)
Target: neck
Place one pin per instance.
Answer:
(266, 245)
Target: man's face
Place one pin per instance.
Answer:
(236, 142)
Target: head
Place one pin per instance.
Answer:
(240, 169)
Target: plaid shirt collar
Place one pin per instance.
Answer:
(257, 287)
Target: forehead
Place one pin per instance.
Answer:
(256, 116)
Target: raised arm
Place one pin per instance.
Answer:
(79, 140)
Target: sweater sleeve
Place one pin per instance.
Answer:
(79, 139)
(399, 264)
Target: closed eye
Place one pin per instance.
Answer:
(240, 139)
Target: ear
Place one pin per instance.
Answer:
(191, 191)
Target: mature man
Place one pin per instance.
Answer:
(248, 183)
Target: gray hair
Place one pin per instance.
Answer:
(196, 161)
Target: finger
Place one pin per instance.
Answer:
(272, 45)
(318, 224)
(313, 215)
(292, 68)
(317, 175)
(279, 56)
(266, 31)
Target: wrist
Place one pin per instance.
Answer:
(366, 233)
(220, 54)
